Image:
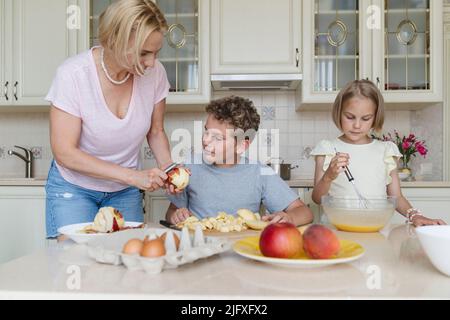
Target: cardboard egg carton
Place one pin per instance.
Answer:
(108, 250)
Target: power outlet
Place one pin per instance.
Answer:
(37, 153)
(148, 154)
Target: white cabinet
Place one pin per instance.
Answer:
(5, 45)
(446, 128)
(38, 37)
(305, 195)
(255, 36)
(185, 53)
(156, 205)
(22, 221)
(396, 44)
(433, 202)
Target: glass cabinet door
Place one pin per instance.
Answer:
(337, 48)
(407, 45)
(180, 52)
(96, 7)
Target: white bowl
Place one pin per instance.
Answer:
(435, 241)
(74, 233)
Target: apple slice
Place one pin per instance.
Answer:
(246, 214)
(256, 224)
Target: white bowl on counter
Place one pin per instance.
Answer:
(435, 241)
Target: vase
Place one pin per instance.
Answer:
(404, 173)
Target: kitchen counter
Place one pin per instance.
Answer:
(301, 183)
(295, 183)
(23, 182)
(394, 266)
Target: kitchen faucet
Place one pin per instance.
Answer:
(28, 158)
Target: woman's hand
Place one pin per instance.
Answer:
(337, 165)
(149, 180)
(278, 217)
(179, 215)
(419, 221)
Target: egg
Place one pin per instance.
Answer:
(133, 246)
(175, 237)
(153, 248)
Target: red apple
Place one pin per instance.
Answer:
(319, 242)
(179, 177)
(281, 240)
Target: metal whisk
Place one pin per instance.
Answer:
(363, 202)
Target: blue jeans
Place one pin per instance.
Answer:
(67, 203)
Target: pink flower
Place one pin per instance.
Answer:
(421, 149)
(406, 144)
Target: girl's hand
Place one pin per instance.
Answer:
(278, 217)
(337, 165)
(179, 215)
(149, 180)
(419, 221)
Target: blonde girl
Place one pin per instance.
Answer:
(357, 111)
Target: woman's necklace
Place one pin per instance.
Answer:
(102, 54)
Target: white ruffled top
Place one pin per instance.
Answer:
(370, 164)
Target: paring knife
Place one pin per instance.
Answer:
(171, 167)
(167, 224)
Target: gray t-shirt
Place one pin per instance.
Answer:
(243, 186)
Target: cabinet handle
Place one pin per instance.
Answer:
(297, 57)
(5, 92)
(15, 90)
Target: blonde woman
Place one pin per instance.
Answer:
(104, 103)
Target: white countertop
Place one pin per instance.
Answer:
(23, 182)
(295, 183)
(396, 255)
(301, 183)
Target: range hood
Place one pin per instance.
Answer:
(255, 81)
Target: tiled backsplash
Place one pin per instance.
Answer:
(298, 130)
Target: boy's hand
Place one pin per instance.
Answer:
(278, 217)
(337, 165)
(179, 215)
(419, 221)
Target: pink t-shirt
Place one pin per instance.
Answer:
(76, 90)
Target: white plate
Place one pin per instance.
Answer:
(73, 231)
(249, 248)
